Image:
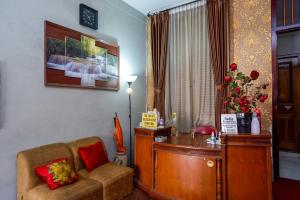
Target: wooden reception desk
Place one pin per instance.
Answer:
(186, 167)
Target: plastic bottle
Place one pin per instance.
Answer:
(255, 127)
(157, 114)
(213, 138)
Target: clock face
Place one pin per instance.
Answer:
(88, 17)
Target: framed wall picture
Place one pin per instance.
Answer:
(88, 16)
(74, 59)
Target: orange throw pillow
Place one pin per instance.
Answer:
(57, 173)
(93, 156)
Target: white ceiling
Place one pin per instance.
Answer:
(144, 6)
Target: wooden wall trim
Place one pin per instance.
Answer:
(275, 142)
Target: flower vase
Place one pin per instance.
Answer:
(244, 122)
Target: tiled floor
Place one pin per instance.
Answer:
(289, 165)
(283, 189)
(138, 195)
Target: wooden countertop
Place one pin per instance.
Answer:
(184, 142)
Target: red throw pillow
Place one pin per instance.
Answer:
(57, 173)
(93, 156)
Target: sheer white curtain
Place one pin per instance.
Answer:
(190, 89)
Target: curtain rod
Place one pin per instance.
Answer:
(153, 12)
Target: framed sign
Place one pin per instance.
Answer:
(149, 121)
(229, 123)
(74, 59)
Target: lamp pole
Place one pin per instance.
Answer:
(130, 134)
(130, 80)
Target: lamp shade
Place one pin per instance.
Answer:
(130, 79)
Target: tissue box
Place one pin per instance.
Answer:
(160, 138)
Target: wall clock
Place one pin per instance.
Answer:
(88, 16)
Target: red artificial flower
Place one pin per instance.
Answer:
(233, 67)
(237, 90)
(225, 103)
(238, 98)
(244, 98)
(258, 112)
(263, 98)
(254, 74)
(241, 102)
(227, 79)
(243, 109)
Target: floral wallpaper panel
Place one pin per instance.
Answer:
(250, 44)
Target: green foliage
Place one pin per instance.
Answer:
(100, 51)
(88, 46)
(55, 47)
(73, 47)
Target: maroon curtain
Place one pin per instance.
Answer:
(217, 12)
(159, 44)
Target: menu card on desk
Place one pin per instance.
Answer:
(229, 123)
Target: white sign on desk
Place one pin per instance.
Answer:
(229, 123)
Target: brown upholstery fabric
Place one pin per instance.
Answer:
(217, 13)
(74, 145)
(159, 44)
(28, 160)
(84, 189)
(117, 180)
(109, 181)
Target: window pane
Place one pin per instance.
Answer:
(280, 12)
(297, 11)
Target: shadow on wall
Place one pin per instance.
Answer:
(2, 94)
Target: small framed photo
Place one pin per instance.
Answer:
(229, 123)
(88, 16)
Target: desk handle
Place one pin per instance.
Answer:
(210, 163)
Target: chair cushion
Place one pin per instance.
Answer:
(93, 156)
(205, 129)
(57, 173)
(74, 146)
(117, 180)
(83, 189)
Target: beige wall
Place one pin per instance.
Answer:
(250, 43)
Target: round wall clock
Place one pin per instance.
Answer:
(88, 16)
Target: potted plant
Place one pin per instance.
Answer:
(243, 96)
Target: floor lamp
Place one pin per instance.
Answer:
(130, 80)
